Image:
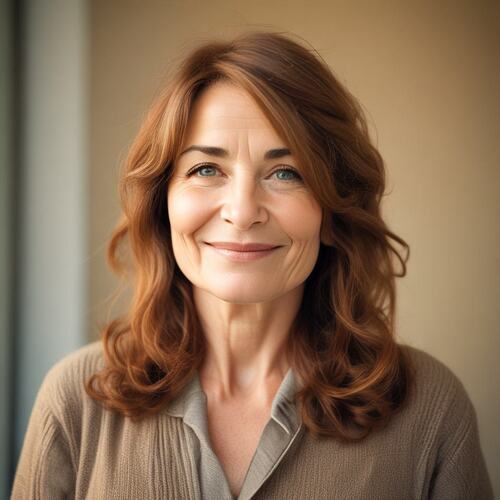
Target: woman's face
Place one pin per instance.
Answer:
(240, 192)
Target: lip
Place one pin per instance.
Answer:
(243, 256)
(242, 247)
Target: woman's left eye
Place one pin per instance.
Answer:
(289, 171)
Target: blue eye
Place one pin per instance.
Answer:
(296, 176)
(200, 168)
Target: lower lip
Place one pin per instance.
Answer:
(236, 256)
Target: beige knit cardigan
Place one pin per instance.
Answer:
(74, 448)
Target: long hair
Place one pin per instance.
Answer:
(354, 375)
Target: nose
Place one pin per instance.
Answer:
(243, 206)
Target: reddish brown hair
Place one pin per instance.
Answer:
(342, 346)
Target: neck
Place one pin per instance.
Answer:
(246, 343)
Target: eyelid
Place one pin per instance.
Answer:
(199, 165)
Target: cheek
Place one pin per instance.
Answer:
(301, 219)
(187, 210)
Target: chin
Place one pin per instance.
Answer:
(240, 295)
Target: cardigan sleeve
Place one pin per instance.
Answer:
(45, 468)
(460, 470)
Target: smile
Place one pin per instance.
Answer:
(239, 256)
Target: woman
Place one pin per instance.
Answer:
(258, 357)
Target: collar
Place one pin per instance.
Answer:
(191, 404)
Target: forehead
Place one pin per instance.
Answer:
(223, 108)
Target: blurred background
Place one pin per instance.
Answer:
(76, 79)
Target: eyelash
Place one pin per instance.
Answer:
(203, 165)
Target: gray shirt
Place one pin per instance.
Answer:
(278, 435)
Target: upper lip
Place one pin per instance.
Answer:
(241, 247)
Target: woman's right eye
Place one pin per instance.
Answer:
(203, 170)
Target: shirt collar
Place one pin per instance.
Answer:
(191, 404)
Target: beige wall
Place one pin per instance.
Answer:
(428, 76)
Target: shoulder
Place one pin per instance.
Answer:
(84, 360)
(437, 394)
(62, 406)
(63, 386)
(444, 425)
(433, 376)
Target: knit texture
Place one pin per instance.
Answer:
(74, 448)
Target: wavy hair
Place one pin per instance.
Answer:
(354, 375)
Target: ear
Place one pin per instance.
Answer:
(326, 231)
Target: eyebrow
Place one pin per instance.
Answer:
(272, 154)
